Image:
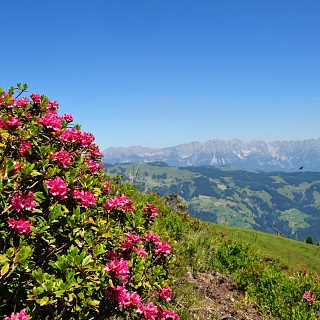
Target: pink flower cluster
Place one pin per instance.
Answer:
(164, 293)
(161, 247)
(67, 117)
(153, 312)
(22, 226)
(307, 296)
(22, 315)
(24, 147)
(57, 187)
(22, 102)
(17, 167)
(52, 105)
(36, 97)
(151, 211)
(11, 123)
(132, 299)
(21, 201)
(121, 202)
(93, 166)
(107, 186)
(130, 244)
(74, 135)
(120, 268)
(51, 120)
(87, 198)
(62, 157)
(94, 152)
(123, 297)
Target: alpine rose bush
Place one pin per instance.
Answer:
(73, 245)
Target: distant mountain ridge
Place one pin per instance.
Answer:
(286, 156)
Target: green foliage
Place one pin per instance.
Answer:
(309, 240)
(69, 236)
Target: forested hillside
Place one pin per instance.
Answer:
(273, 202)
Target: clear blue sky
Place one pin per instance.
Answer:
(162, 73)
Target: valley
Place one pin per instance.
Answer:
(280, 203)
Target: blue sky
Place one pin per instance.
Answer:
(163, 73)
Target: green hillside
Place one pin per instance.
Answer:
(276, 202)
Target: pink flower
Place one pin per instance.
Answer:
(24, 147)
(107, 186)
(131, 242)
(69, 135)
(52, 105)
(74, 135)
(36, 97)
(118, 201)
(163, 247)
(22, 315)
(86, 138)
(20, 201)
(123, 297)
(62, 156)
(23, 225)
(316, 277)
(142, 252)
(94, 151)
(165, 293)
(151, 211)
(150, 311)
(152, 237)
(51, 120)
(133, 299)
(118, 294)
(93, 166)
(87, 198)
(13, 123)
(120, 268)
(133, 238)
(67, 117)
(57, 187)
(306, 295)
(22, 102)
(17, 167)
(167, 314)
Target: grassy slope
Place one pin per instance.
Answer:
(295, 254)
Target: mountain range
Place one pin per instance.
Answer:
(288, 156)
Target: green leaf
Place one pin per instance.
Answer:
(93, 302)
(10, 252)
(98, 249)
(59, 293)
(23, 254)
(4, 269)
(3, 258)
(81, 295)
(86, 260)
(43, 301)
